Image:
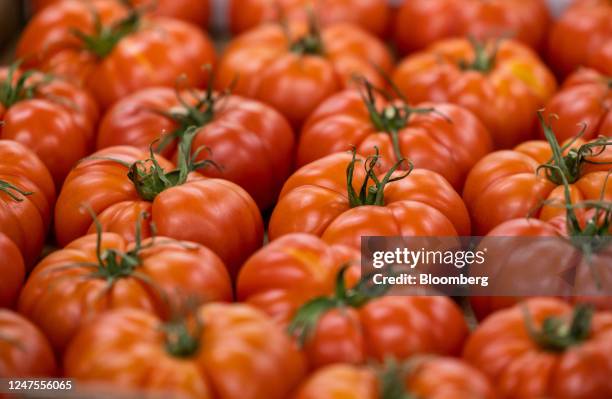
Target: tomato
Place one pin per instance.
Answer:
(119, 183)
(425, 378)
(321, 200)
(584, 99)
(501, 81)
(12, 270)
(53, 118)
(504, 185)
(24, 351)
(295, 69)
(582, 37)
(195, 11)
(229, 351)
(419, 23)
(251, 142)
(371, 15)
(542, 349)
(444, 138)
(127, 52)
(27, 196)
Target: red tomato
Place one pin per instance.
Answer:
(53, 118)
(73, 285)
(540, 349)
(251, 142)
(195, 11)
(229, 351)
(27, 196)
(119, 183)
(444, 138)
(318, 199)
(295, 69)
(126, 53)
(423, 378)
(585, 99)
(511, 184)
(502, 82)
(12, 270)
(582, 37)
(419, 23)
(371, 15)
(24, 351)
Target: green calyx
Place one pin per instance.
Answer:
(308, 315)
(371, 194)
(309, 44)
(484, 59)
(557, 334)
(392, 380)
(181, 340)
(13, 191)
(13, 92)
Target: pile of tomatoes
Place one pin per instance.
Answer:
(184, 221)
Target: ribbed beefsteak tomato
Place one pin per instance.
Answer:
(224, 352)
(541, 349)
(251, 142)
(501, 81)
(113, 50)
(295, 67)
(12, 270)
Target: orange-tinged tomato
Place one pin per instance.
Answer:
(540, 349)
(582, 37)
(371, 15)
(250, 142)
(24, 350)
(295, 69)
(233, 351)
(12, 270)
(419, 23)
(444, 138)
(501, 81)
(127, 52)
(27, 197)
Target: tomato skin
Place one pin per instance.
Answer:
(59, 298)
(371, 15)
(449, 146)
(25, 222)
(263, 67)
(314, 200)
(435, 377)
(242, 354)
(12, 270)
(584, 100)
(502, 349)
(207, 211)
(504, 186)
(582, 36)
(419, 23)
(24, 350)
(49, 44)
(505, 98)
(251, 142)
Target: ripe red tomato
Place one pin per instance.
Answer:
(195, 11)
(444, 138)
(419, 23)
(322, 198)
(27, 196)
(582, 37)
(75, 284)
(502, 82)
(421, 377)
(510, 184)
(53, 118)
(127, 52)
(540, 349)
(24, 351)
(296, 68)
(251, 142)
(371, 15)
(12, 270)
(229, 351)
(584, 99)
(119, 183)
